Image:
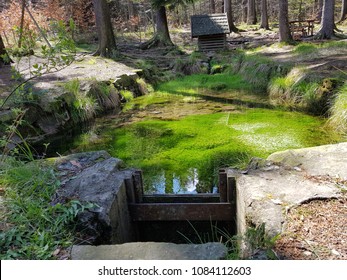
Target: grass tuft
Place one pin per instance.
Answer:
(338, 111)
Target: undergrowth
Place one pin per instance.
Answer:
(258, 240)
(33, 227)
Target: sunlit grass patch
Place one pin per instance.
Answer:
(305, 48)
(196, 84)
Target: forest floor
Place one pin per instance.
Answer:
(317, 229)
(324, 62)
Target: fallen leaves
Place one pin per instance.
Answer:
(315, 230)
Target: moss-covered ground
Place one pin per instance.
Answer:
(180, 141)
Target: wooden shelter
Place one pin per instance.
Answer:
(210, 30)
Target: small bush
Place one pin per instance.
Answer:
(150, 71)
(257, 70)
(144, 87)
(196, 63)
(215, 69)
(294, 90)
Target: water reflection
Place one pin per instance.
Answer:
(167, 181)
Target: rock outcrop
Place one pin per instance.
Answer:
(286, 179)
(97, 178)
(75, 94)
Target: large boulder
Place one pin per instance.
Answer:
(75, 94)
(97, 178)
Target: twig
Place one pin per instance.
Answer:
(312, 249)
(31, 78)
(16, 124)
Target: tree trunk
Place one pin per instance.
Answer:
(251, 13)
(130, 9)
(3, 54)
(229, 12)
(162, 36)
(328, 25)
(343, 11)
(264, 16)
(284, 31)
(319, 10)
(212, 7)
(162, 27)
(301, 15)
(107, 42)
(130, 15)
(244, 10)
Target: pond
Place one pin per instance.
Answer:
(180, 138)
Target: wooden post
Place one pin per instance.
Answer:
(129, 186)
(231, 189)
(232, 193)
(222, 185)
(138, 186)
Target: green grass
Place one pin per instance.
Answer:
(305, 48)
(155, 98)
(195, 147)
(196, 84)
(334, 44)
(33, 228)
(85, 47)
(338, 118)
(175, 152)
(315, 50)
(80, 106)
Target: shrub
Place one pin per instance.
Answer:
(127, 95)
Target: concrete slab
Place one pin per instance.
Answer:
(150, 251)
(286, 179)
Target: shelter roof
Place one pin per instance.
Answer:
(211, 24)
